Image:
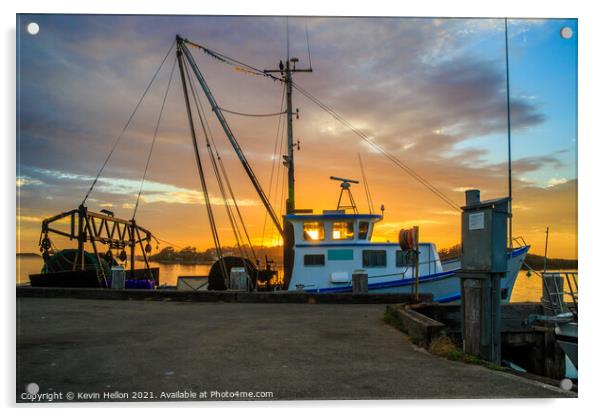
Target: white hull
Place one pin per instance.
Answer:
(445, 285)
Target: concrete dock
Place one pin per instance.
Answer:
(290, 351)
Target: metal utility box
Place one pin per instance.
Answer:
(484, 234)
(117, 277)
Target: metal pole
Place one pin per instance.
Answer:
(290, 206)
(417, 264)
(132, 247)
(545, 254)
(509, 137)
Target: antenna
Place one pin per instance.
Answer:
(288, 45)
(336, 178)
(346, 188)
(308, 51)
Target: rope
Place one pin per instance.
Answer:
(237, 233)
(214, 165)
(157, 239)
(366, 187)
(231, 61)
(212, 224)
(307, 39)
(154, 139)
(127, 124)
(379, 148)
(252, 115)
(275, 158)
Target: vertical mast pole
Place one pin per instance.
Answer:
(509, 137)
(290, 203)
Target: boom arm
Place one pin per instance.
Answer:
(182, 46)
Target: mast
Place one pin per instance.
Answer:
(245, 163)
(289, 159)
(509, 138)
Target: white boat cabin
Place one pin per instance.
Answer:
(330, 246)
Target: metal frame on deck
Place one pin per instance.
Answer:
(88, 226)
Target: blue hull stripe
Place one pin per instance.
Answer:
(409, 281)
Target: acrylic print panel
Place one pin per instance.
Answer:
(222, 164)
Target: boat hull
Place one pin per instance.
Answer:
(444, 286)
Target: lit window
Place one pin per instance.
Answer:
(313, 231)
(342, 230)
(363, 230)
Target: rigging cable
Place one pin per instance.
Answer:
(231, 61)
(275, 158)
(252, 115)
(209, 136)
(231, 192)
(307, 39)
(116, 142)
(195, 145)
(343, 121)
(205, 125)
(366, 187)
(173, 67)
(378, 147)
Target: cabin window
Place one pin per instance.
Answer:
(403, 258)
(364, 227)
(313, 231)
(374, 258)
(313, 260)
(342, 230)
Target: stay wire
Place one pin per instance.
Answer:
(275, 158)
(116, 142)
(379, 148)
(252, 115)
(231, 192)
(234, 223)
(173, 67)
(212, 223)
(212, 159)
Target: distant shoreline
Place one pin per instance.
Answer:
(28, 255)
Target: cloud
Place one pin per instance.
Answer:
(424, 89)
(26, 181)
(556, 181)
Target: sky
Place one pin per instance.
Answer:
(432, 92)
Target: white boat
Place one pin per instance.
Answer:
(329, 246)
(321, 251)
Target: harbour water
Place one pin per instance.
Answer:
(526, 289)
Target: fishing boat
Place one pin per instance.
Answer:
(322, 250)
(331, 245)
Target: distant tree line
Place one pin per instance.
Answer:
(190, 255)
(533, 260)
(537, 262)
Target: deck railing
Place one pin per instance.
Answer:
(557, 286)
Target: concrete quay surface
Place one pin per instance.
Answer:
(151, 350)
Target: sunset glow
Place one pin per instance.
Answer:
(430, 91)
